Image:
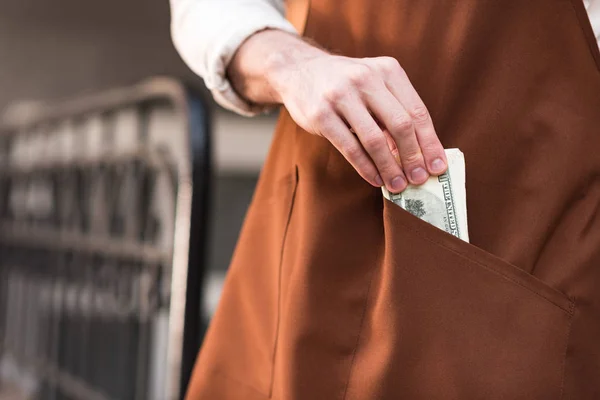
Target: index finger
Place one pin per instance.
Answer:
(402, 89)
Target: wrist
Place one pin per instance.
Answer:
(286, 58)
(263, 67)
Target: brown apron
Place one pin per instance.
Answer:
(335, 293)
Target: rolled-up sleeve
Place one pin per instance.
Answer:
(207, 33)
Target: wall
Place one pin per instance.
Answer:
(59, 48)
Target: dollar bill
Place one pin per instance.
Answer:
(441, 200)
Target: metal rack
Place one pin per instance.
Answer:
(103, 204)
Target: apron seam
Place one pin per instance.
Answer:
(360, 332)
(283, 241)
(567, 342)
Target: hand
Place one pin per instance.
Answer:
(367, 108)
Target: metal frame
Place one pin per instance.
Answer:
(176, 282)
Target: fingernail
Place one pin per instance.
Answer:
(378, 181)
(398, 184)
(438, 165)
(418, 174)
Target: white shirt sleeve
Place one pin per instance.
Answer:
(593, 10)
(207, 33)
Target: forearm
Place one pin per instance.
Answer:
(264, 61)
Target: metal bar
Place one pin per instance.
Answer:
(155, 89)
(12, 233)
(142, 155)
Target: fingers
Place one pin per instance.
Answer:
(395, 142)
(400, 126)
(348, 145)
(374, 142)
(402, 89)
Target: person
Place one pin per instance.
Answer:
(335, 293)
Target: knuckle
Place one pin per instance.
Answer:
(351, 151)
(389, 65)
(402, 124)
(335, 93)
(431, 146)
(319, 115)
(420, 114)
(412, 158)
(359, 75)
(374, 142)
(389, 169)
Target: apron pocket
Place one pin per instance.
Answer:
(447, 320)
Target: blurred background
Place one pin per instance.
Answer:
(122, 191)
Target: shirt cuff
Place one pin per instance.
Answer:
(219, 85)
